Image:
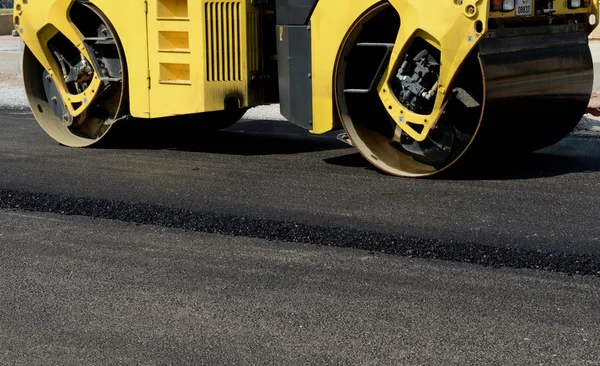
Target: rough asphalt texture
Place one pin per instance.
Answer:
(373, 241)
(12, 94)
(293, 251)
(80, 291)
(272, 180)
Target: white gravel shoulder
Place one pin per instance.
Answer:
(265, 112)
(588, 126)
(13, 97)
(12, 94)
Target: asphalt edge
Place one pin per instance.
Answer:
(295, 232)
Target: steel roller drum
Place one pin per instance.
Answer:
(537, 88)
(521, 89)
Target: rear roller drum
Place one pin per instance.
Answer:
(370, 128)
(76, 72)
(493, 107)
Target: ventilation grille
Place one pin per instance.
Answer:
(223, 41)
(253, 46)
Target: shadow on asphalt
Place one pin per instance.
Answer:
(281, 138)
(529, 166)
(244, 138)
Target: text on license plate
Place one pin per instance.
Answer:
(523, 7)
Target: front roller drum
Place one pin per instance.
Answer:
(513, 95)
(47, 103)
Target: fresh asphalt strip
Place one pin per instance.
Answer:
(277, 230)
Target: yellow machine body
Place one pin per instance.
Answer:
(450, 27)
(200, 53)
(187, 58)
(38, 22)
(177, 64)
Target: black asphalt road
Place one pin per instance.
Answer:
(81, 291)
(273, 180)
(265, 245)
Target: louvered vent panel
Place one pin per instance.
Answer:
(253, 46)
(223, 41)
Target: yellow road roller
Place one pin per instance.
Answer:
(416, 86)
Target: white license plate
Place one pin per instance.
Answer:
(523, 7)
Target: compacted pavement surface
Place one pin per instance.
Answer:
(83, 291)
(263, 244)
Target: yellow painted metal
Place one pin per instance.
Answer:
(187, 56)
(183, 56)
(453, 29)
(330, 23)
(203, 56)
(445, 24)
(561, 8)
(39, 21)
(129, 20)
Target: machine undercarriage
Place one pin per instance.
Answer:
(415, 93)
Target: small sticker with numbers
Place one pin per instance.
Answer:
(523, 7)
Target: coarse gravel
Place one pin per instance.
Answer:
(13, 98)
(266, 112)
(295, 232)
(589, 126)
(81, 291)
(12, 94)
